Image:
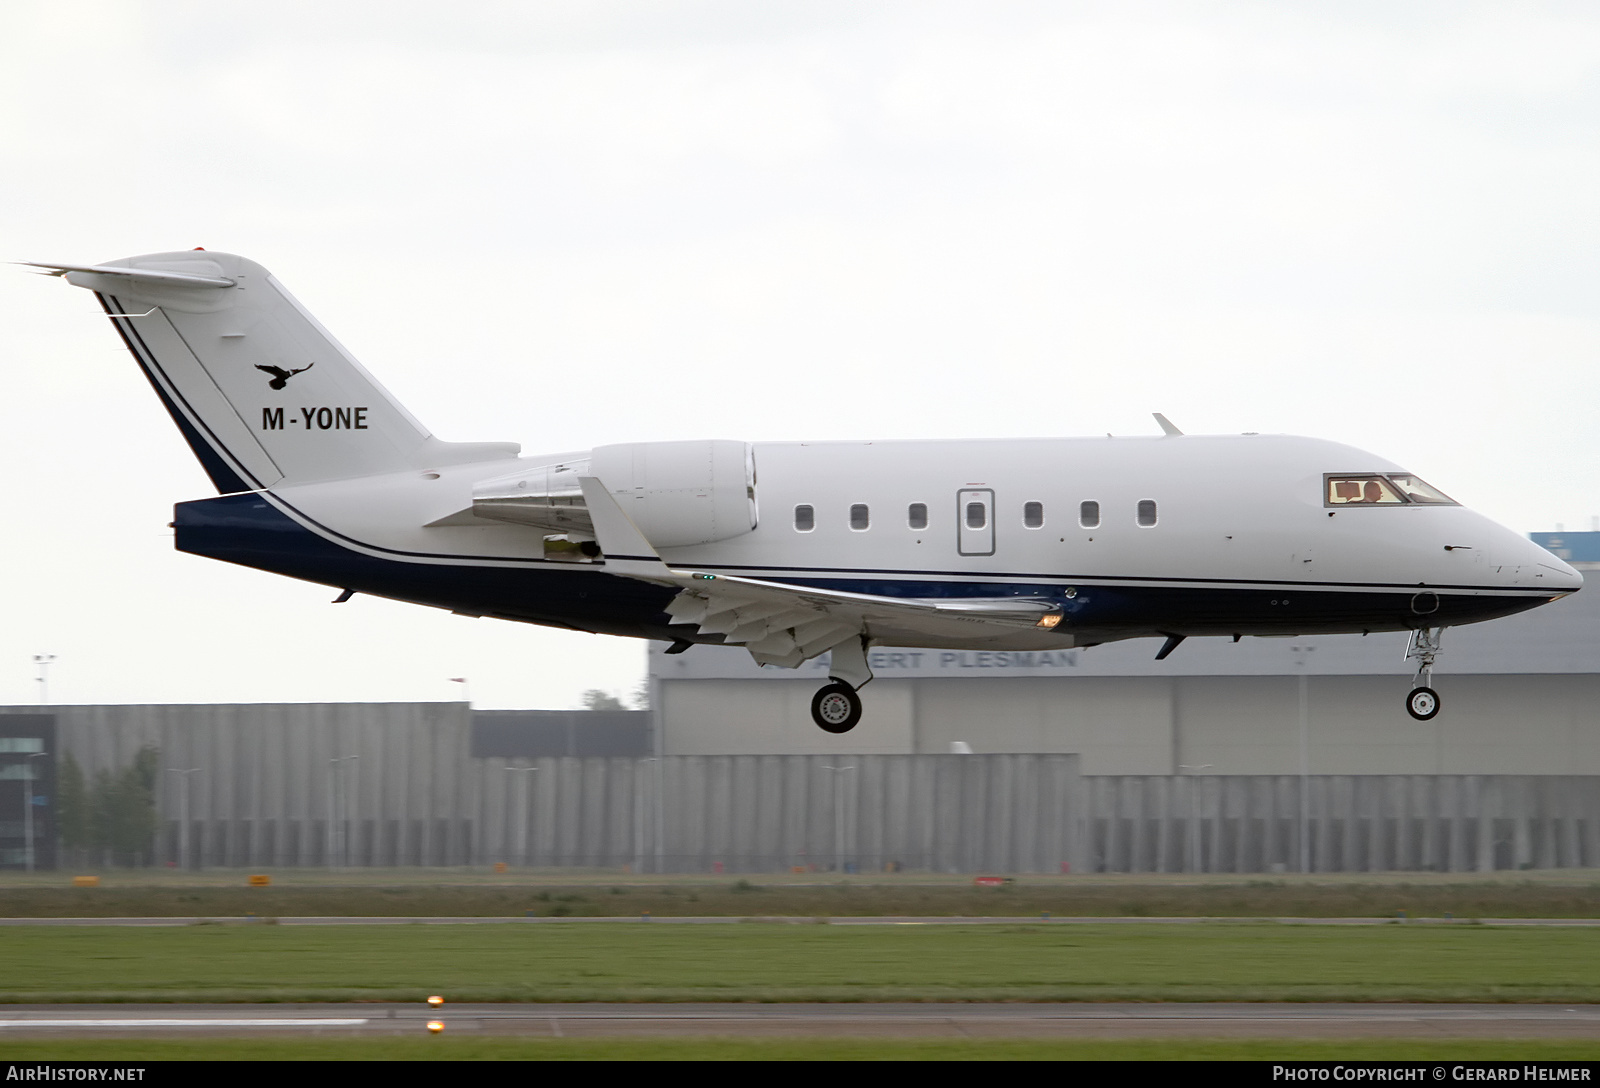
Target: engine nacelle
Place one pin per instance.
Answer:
(677, 493)
(681, 493)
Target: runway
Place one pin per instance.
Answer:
(923, 1020)
(836, 920)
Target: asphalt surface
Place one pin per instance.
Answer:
(928, 1020)
(837, 920)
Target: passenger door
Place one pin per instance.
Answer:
(975, 521)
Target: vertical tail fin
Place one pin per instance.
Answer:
(261, 391)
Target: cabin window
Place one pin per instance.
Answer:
(917, 515)
(977, 515)
(859, 521)
(1147, 513)
(805, 519)
(1033, 515)
(1089, 514)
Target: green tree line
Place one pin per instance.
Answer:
(112, 819)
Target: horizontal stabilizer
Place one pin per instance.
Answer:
(135, 275)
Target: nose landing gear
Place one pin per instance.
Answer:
(1423, 702)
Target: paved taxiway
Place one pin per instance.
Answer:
(839, 920)
(947, 1020)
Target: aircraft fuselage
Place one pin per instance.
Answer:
(1235, 538)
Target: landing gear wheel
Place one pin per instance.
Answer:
(1422, 704)
(836, 708)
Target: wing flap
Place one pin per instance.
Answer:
(784, 624)
(781, 624)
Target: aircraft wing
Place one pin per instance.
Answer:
(781, 624)
(785, 625)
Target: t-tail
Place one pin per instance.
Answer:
(262, 393)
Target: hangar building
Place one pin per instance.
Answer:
(1519, 695)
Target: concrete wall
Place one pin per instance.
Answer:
(263, 786)
(1119, 725)
(1348, 823)
(267, 793)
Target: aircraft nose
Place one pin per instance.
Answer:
(1554, 572)
(1563, 577)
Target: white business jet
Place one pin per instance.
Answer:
(792, 549)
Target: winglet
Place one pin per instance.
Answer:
(626, 550)
(1166, 424)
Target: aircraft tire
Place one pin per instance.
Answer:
(836, 708)
(1422, 704)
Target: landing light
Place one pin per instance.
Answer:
(1049, 620)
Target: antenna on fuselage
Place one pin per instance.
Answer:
(1166, 424)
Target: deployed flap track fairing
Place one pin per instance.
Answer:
(1017, 544)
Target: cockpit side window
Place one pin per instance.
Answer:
(1417, 491)
(1372, 490)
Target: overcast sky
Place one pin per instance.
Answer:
(566, 224)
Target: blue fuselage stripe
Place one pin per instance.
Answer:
(250, 530)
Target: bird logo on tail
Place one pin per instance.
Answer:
(280, 376)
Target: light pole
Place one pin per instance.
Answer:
(1194, 813)
(838, 814)
(42, 662)
(660, 801)
(1300, 652)
(338, 842)
(522, 826)
(183, 774)
(638, 813)
(27, 808)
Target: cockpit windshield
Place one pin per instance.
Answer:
(1395, 489)
(1417, 491)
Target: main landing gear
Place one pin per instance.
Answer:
(1423, 702)
(837, 708)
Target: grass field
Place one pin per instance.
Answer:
(466, 894)
(765, 962)
(713, 1049)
